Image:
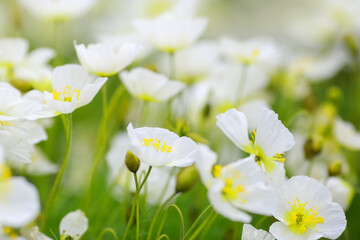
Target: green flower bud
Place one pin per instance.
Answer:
(186, 179)
(132, 162)
(335, 168)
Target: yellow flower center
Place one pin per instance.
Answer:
(66, 95)
(159, 145)
(5, 172)
(301, 218)
(216, 170)
(260, 156)
(10, 232)
(232, 190)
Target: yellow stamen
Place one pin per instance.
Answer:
(66, 95)
(300, 218)
(230, 190)
(5, 172)
(159, 145)
(216, 170)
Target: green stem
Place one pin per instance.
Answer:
(67, 120)
(197, 220)
(144, 113)
(101, 139)
(172, 65)
(182, 228)
(241, 85)
(135, 201)
(158, 211)
(207, 227)
(206, 222)
(108, 230)
(163, 236)
(137, 207)
(258, 224)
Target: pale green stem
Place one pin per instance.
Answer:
(203, 225)
(207, 227)
(241, 84)
(144, 113)
(108, 230)
(258, 224)
(135, 201)
(137, 207)
(198, 219)
(67, 120)
(182, 228)
(163, 236)
(158, 211)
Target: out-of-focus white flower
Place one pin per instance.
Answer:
(19, 200)
(171, 32)
(150, 86)
(39, 165)
(196, 63)
(204, 164)
(161, 147)
(250, 109)
(35, 69)
(13, 50)
(32, 131)
(341, 190)
(346, 134)
(306, 211)
(35, 234)
(106, 59)
(57, 10)
(270, 140)
(319, 68)
(15, 148)
(239, 187)
(13, 106)
(73, 225)
(251, 233)
(118, 40)
(252, 51)
(73, 87)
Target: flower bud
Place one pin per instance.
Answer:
(311, 149)
(335, 168)
(186, 179)
(132, 162)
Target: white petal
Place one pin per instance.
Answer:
(185, 152)
(272, 136)
(204, 163)
(234, 125)
(251, 233)
(281, 232)
(74, 224)
(223, 206)
(89, 91)
(346, 134)
(19, 202)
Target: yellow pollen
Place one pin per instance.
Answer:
(255, 53)
(216, 170)
(6, 123)
(5, 172)
(301, 218)
(252, 136)
(232, 191)
(66, 95)
(159, 145)
(10, 232)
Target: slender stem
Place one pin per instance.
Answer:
(198, 219)
(158, 211)
(182, 228)
(163, 236)
(208, 221)
(172, 65)
(137, 207)
(101, 139)
(67, 120)
(144, 113)
(240, 85)
(207, 227)
(258, 224)
(108, 230)
(135, 201)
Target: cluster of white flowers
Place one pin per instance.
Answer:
(189, 89)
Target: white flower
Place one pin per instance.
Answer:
(160, 147)
(73, 225)
(57, 10)
(251, 233)
(170, 32)
(150, 86)
(13, 50)
(35, 69)
(19, 200)
(15, 148)
(155, 183)
(239, 187)
(14, 107)
(270, 140)
(204, 164)
(35, 234)
(306, 211)
(346, 134)
(342, 191)
(73, 87)
(252, 51)
(105, 59)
